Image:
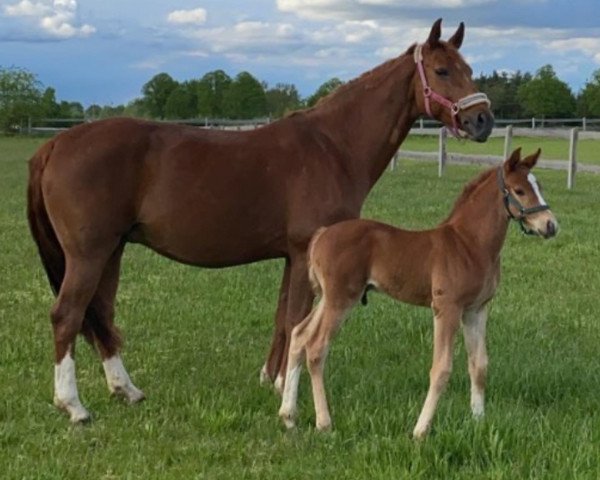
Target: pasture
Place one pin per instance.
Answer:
(195, 341)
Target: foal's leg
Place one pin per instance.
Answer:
(78, 286)
(274, 360)
(105, 335)
(446, 322)
(474, 323)
(300, 335)
(299, 303)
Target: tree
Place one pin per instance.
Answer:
(156, 92)
(245, 98)
(136, 108)
(546, 95)
(589, 98)
(93, 111)
(281, 99)
(20, 98)
(70, 109)
(210, 91)
(502, 89)
(324, 90)
(49, 106)
(183, 101)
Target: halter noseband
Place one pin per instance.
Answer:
(454, 107)
(509, 199)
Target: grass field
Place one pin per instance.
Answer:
(195, 341)
(588, 151)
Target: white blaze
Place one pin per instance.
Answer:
(536, 188)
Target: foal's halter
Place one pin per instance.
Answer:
(510, 199)
(454, 107)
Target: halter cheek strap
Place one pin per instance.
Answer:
(454, 107)
(509, 199)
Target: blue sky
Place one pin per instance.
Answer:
(103, 51)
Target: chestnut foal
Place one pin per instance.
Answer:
(454, 268)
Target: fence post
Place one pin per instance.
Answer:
(442, 154)
(572, 158)
(394, 161)
(508, 141)
(532, 122)
(584, 124)
(421, 123)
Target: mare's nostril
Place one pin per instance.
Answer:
(550, 228)
(480, 119)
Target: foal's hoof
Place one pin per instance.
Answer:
(324, 426)
(288, 418)
(419, 434)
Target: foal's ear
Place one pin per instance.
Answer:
(511, 162)
(531, 160)
(435, 34)
(457, 39)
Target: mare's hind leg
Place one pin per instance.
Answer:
(78, 286)
(100, 330)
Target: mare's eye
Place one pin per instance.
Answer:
(443, 72)
(519, 192)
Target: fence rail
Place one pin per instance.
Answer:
(443, 157)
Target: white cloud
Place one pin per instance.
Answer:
(56, 18)
(196, 16)
(589, 46)
(360, 9)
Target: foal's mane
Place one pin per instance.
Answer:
(468, 190)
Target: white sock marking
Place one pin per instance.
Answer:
(118, 379)
(65, 389)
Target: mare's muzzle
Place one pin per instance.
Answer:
(477, 122)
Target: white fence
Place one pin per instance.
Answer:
(443, 157)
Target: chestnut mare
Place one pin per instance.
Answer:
(454, 268)
(216, 199)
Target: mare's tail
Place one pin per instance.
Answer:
(51, 253)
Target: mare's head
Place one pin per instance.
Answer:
(445, 89)
(523, 198)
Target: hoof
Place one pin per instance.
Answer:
(129, 393)
(77, 412)
(419, 434)
(288, 419)
(324, 426)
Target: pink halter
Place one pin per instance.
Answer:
(455, 108)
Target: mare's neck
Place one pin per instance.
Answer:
(480, 218)
(369, 118)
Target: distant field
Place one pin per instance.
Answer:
(588, 151)
(195, 340)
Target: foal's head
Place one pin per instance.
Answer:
(445, 89)
(523, 195)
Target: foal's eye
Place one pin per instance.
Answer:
(443, 72)
(519, 192)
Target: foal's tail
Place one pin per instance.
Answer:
(49, 249)
(314, 280)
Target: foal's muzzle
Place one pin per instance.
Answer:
(477, 122)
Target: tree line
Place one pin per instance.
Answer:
(218, 95)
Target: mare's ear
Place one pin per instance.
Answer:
(434, 36)
(511, 162)
(531, 160)
(457, 39)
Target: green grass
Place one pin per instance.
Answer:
(195, 341)
(552, 148)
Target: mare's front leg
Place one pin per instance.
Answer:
(299, 303)
(274, 359)
(474, 323)
(446, 322)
